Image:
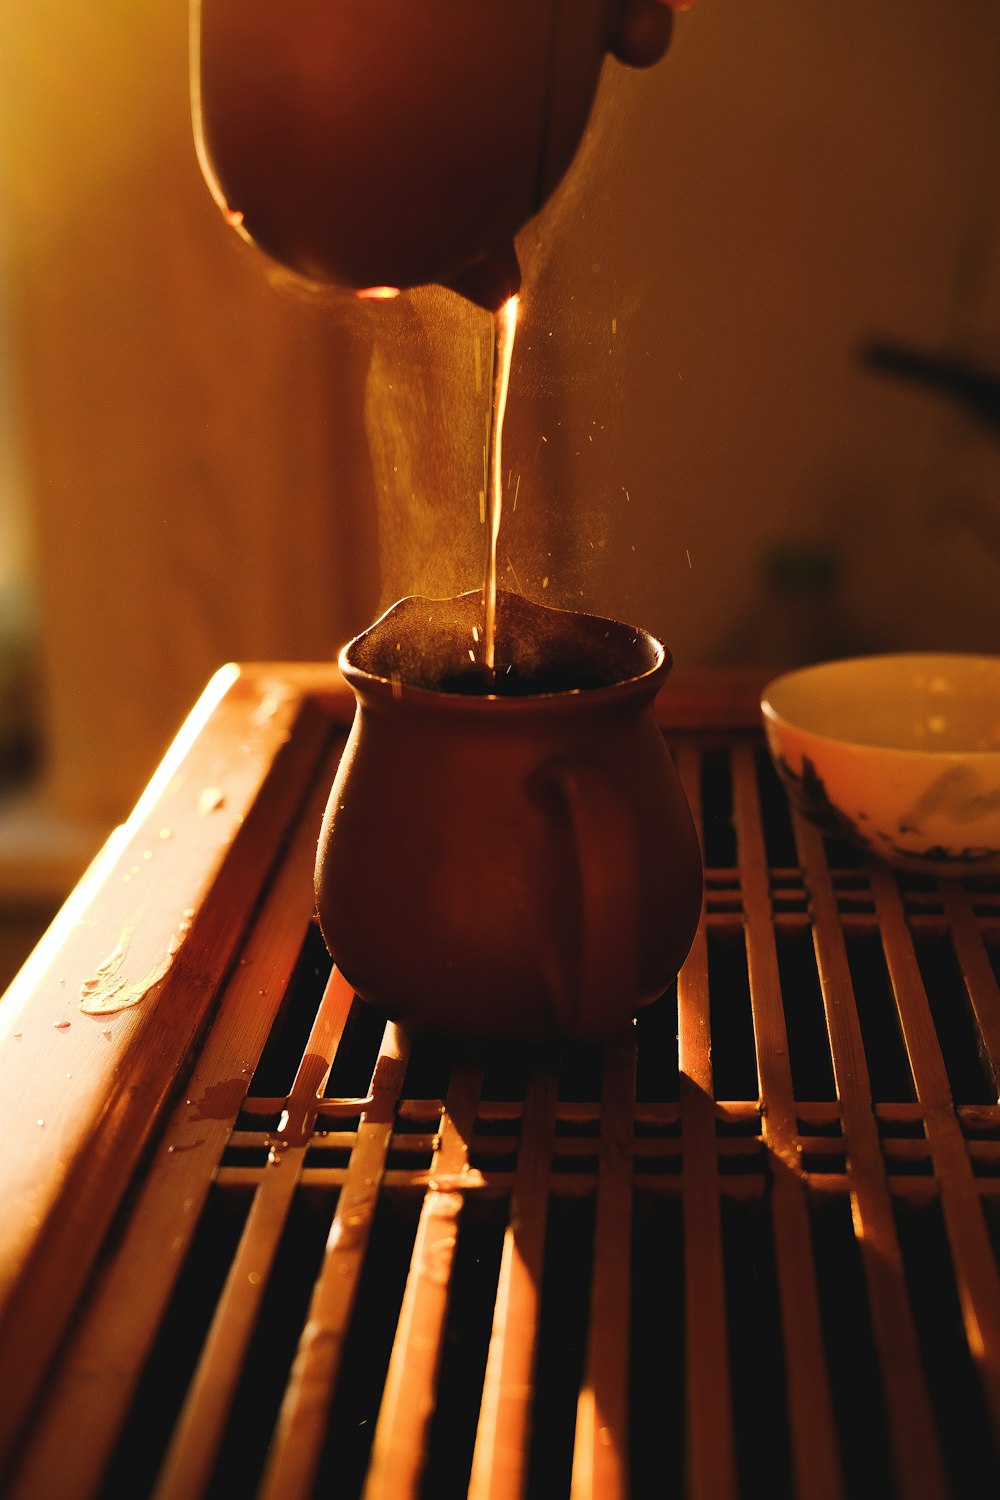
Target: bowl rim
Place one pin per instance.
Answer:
(777, 718)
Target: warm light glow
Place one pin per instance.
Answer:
(506, 328)
(378, 293)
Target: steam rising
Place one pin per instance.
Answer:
(427, 399)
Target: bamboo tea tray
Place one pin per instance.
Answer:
(256, 1242)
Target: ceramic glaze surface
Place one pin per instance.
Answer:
(900, 753)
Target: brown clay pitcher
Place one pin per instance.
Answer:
(508, 858)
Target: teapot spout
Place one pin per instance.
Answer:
(490, 281)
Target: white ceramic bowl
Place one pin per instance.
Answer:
(900, 753)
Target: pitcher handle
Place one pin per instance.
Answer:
(606, 849)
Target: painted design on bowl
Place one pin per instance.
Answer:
(955, 793)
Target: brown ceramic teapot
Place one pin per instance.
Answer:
(511, 859)
(396, 142)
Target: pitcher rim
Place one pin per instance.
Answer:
(376, 686)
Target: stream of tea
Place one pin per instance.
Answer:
(504, 328)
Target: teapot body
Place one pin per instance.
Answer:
(390, 143)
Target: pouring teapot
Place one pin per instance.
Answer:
(384, 145)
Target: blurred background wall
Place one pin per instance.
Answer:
(200, 461)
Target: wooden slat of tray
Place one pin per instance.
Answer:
(100, 1369)
(977, 1276)
(294, 1452)
(172, 894)
(400, 1447)
(815, 1454)
(194, 1447)
(711, 1456)
(977, 972)
(912, 1431)
(499, 1465)
(600, 1457)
